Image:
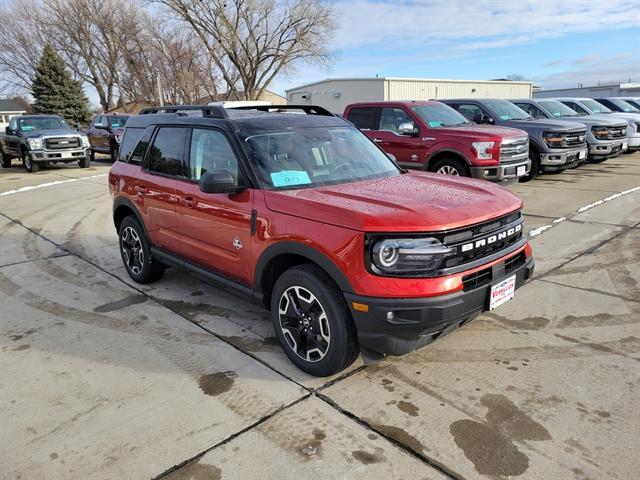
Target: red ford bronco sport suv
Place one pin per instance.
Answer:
(309, 218)
(434, 137)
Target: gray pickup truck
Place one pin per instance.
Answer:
(605, 135)
(43, 139)
(554, 145)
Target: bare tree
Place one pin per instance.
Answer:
(516, 77)
(252, 41)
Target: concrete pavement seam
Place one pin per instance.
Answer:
(59, 255)
(590, 290)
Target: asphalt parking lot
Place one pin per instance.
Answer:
(105, 379)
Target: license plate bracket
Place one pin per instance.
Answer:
(521, 170)
(502, 292)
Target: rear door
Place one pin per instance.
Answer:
(215, 228)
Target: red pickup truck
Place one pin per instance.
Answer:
(434, 137)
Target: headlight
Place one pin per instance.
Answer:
(485, 150)
(552, 139)
(404, 256)
(35, 143)
(85, 141)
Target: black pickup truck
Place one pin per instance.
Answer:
(43, 139)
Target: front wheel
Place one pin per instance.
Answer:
(84, 162)
(534, 171)
(451, 166)
(29, 165)
(312, 321)
(6, 160)
(135, 250)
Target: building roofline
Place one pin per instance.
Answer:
(406, 79)
(622, 86)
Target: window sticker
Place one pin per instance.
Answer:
(505, 117)
(288, 178)
(435, 123)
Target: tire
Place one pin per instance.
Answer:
(92, 156)
(534, 171)
(113, 151)
(29, 165)
(6, 160)
(135, 250)
(451, 166)
(85, 162)
(307, 295)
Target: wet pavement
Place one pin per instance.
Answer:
(104, 378)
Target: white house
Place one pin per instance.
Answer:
(9, 109)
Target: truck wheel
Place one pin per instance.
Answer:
(135, 250)
(451, 166)
(85, 162)
(92, 156)
(29, 165)
(312, 321)
(535, 168)
(6, 160)
(113, 151)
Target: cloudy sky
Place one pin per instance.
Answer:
(555, 43)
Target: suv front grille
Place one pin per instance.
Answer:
(62, 143)
(609, 133)
(485, 276)
(513, 150)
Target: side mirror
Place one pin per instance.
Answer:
(219, 181)
(407, 129)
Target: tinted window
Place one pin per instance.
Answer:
(117, 122)
(558, 109)
(130, 140)
(469, 110)
(531, 110)
(576, 107)
(210, 151)
(167, 151)
(365, 118)
(595, 107)
(392, 118)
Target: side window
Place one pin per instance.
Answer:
(392, 118)
(365, 118)
(531, 110)
(166, 154)
(210, 151)
(97, 122)
(470, 111)
(13, 124)
(576, 107)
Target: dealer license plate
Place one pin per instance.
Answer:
(521, 170)
(582, 155)
(625, 145)
(502, 292)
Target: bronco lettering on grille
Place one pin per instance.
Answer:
(483, 242)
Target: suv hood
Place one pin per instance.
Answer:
(59, 132)
(599, 120)
(412, 202)
(547, 124)
(474, 131)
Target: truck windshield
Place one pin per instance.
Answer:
(595, 107)
(440, 115)
(624, 106)
(315, 156)
(41, 123)
(117, 122)
(505, 110)
(558, 109)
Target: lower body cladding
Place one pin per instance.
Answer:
(503, 171)
(60, 155)
(606, 149)
(396, 326)
(555, 160)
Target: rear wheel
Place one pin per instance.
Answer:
(6, 160)
(135, 250)
(312, 321)
(29, 165)
(451, 166)
(535, 167)
(113, 151)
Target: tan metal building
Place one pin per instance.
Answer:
(335, 94)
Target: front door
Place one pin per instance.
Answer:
(405, 148)
(215, 229)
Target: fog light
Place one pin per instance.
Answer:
(390, 316)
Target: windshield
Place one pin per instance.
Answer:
(117, 122)
(507, 111)
(440, 115)
(315, 156)
(624, 106)
(42, 123)
(558, 109)
(595, 107)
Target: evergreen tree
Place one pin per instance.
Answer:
(56, 92)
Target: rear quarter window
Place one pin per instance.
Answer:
(134, 144)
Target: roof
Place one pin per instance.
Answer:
(10, 106)
(407, 79)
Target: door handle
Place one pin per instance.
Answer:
(141, 189)
(187, 202)
(377, 140)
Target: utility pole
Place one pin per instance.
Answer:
(159, 86)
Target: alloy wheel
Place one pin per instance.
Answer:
(304, 324)
(132, 250)
(448, 170)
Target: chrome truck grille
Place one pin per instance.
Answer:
(62, 143)
(514, 149)
(609, 133)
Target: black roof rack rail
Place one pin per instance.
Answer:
(213, 111)
(308, 109)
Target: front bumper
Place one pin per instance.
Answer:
(60, 155)
(501, 172)
(417, 322)
(554, 160)
(634, 142)
(606, 148)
